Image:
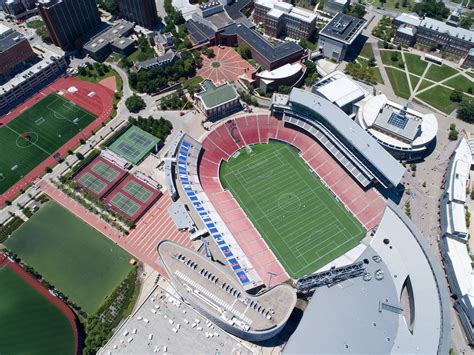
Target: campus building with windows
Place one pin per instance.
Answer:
(283, 19)
(14, 49)
(142, 12)
(68, 21)
(217, 101)
(337, 37)
(412, 29)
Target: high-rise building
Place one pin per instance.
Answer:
(14, 49)
(142, 12)
(68, 21)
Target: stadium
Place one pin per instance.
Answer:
(284, 196)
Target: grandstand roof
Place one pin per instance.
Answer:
(460, 263)
(351, 133)
(360, 316)
(220, 296)
(458, 172)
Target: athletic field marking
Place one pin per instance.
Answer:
(299, 218)
(32, 143)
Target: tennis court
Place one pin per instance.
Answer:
(134, 144)
(106, 171)
(71, 255)
(138, 191)
(297, 215)
(30, 324)
(125, 204)
(37, 134)
(99, 176)
(92, 183)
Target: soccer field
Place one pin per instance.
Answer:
(71, 255)
(36, 134)
(29, 323)
(299, 218)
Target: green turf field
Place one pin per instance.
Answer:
(36, 134)
(74, 257)
(30, 324)
(299, 218)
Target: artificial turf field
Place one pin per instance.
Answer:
(299, 218)
(71, 255)
(29, 323)
(36, 134)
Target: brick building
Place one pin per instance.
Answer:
(283, 19)
(14, 49)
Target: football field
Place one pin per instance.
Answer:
(29, 323)
(36, 134)
(71, 255)
(297, 215)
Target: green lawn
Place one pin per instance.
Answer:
(414, 81)
(299, 218)
(460, 82)
(367, 51)
(142, 54)
(399, 82)
(71, 255)
(35, 24)
(424, 84)
(36, 134)
(438, 97)
(387, 57)
(390, 5)
(365, 64)
(30, 324)
(438, 73)
(415, 64)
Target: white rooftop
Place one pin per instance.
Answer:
(282, 72)
(371, 107)
(4, 29)
(339, 89)
(462, 269)
(278, 8)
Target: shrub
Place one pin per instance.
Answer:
(456, 96)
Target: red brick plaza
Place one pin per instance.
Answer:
(226, 66)
(99, 105)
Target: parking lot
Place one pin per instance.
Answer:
(163, 324)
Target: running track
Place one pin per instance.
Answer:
(100, 105)
(38, 286)
(156, 225)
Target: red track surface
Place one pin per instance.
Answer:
(231, 66)
(156, 225)
(100, 105)
(68, 313)
(366, 204)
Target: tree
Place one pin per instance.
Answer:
(245, 52)
(372, 62)
(431, 8)
(48, 170)
(465, 22)
(135, 103)
(357, 11)
(466, 110)
(79, 156)
(456, 96)
(284, 89)
(394, 56)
